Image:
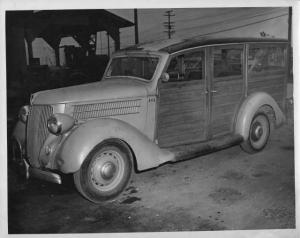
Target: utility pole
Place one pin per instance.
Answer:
(290, 57)
(290, 25)
(169, 25)
(136, 28)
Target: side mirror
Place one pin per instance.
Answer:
(165, 77)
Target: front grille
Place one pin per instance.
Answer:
(106, 109)
(37, 131)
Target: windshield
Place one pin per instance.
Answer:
(140, 67)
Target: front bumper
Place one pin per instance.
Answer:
(42, 174)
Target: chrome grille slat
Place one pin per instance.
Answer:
(37, 131)
(87, 111)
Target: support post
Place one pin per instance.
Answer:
(117, 39)
(29, 39)
(136, 28)
(108, 45)
(114, 33)
(56, 50)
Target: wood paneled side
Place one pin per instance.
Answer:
(182, 113)
(226, 99)
(271, 82)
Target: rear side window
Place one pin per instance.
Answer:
(227, 62)
(266, 58)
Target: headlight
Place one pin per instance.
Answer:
(60, 123)
(54, 126)
(23, 113)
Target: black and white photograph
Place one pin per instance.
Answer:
(142, 119)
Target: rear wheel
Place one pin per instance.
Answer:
(105, 172)
(258, 134)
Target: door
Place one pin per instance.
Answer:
(227, 87)
(182, 101)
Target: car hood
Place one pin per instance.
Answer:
(110, 89)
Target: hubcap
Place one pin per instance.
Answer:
(106, 170)
(257, 131)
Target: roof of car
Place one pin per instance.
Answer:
(174, 45)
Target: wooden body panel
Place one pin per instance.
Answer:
(271, 82)
(182, 112)
(226, 91)
(225, 102)
(199, 110)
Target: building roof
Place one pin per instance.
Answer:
(174, 45)
(95, 18)
(52, 25)
(72, 20)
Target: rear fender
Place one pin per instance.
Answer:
(248, 109)
(85, 137)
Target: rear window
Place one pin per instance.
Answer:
(266, 58)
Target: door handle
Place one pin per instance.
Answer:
(212, 91)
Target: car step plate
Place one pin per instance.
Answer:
(189, 151)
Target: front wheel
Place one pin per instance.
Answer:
(105, 172)
(258, 134)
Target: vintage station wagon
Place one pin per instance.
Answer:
(157, 103)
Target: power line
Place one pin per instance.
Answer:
(237, 27)
(143, 32)
(204, 17)
(151, 33)
(228, 29)
(201, 18)
(229, 13)
(148, 31)
(233, 28)
(241, 26)
(233, 19)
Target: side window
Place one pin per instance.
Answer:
(227, 62)
(266, 58)
(187, 67)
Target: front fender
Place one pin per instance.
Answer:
(85, 137)
(250, 107)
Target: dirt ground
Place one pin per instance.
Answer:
(227, 190)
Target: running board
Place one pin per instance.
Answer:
(189, 151)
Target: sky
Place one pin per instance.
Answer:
(191, 22)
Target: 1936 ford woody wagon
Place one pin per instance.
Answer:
(157, 103)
